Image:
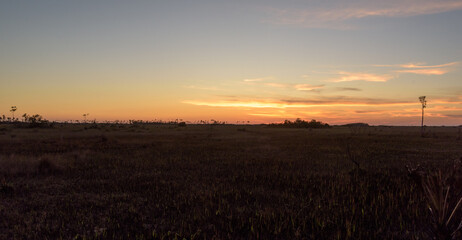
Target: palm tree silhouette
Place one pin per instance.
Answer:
(424, 105)
(13, 109)
(85, 117)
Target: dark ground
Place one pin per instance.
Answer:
(222, 182)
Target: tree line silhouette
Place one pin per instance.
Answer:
(38, 120)
(299, 123)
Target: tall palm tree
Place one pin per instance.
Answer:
(85, 117)
(13, 109)
(424, 105)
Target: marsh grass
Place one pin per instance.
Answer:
(198, 182)
(45, 166)
(445, 223)
(6, 189)
(444, 199)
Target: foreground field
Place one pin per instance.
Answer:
(223, 182)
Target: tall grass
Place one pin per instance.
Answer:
(198, 182)
(444, 201)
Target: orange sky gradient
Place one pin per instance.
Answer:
(260, 62)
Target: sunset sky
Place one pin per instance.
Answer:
(258, 61)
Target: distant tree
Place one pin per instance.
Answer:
(13, 109)
(36, 120)
(299, 123)
(85, 117)
(424, 105)
(25, 116)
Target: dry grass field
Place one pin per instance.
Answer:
(220, 182)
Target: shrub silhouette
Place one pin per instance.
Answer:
(299, 123)
(35, 120)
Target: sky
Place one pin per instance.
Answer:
(235, 61)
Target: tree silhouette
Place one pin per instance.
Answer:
(424, 105)
(13, 109)
(85, 117)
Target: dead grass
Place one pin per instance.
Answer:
(223, 183)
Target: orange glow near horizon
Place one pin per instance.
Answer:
(246, 61)
(331, 111)
(265, 104)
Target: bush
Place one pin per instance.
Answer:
(34, 121)
(299, 123)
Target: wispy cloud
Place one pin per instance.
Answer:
(453, 115)
(278, 114)
(248, 104)
(307, 87)
(438, 71)
(350, 76)
(346, 101)
(267, 114)
(299, 87)
(335, 15)
(427, 69)
(369, 111)
(422, 69)
(302, 103)
(257, 79)
(347, 89)
(419, 65)
(446, 108)
(450, 101)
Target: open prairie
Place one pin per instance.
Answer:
(218, 181)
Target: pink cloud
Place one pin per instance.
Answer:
(349, 76)
(422, 69)
(434, 71)
(339, 12)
